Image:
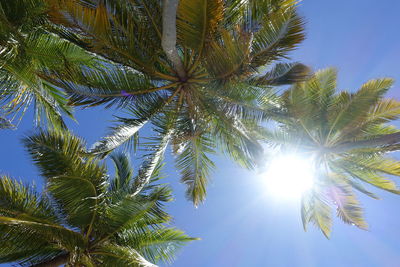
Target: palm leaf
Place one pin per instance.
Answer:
(150, 164)
(282, 31)
(77, 185)
(114, 256)
(66, 238)
(348, 207)
(123, 171)
(315, 208)
(360, 103)
(284, 73)
(195, 166)
(159, 244)
(197, 22)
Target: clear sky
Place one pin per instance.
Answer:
(239, 224)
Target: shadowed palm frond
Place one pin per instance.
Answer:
(195, 165)
(84, 217)
(29, 51)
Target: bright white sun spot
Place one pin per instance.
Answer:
(289, 176)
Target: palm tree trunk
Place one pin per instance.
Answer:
(55, 262)
(168, 41)
(381, 141)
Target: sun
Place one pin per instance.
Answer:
(289, 176)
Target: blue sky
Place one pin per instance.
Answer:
(239, 224)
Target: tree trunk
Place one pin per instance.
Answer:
(381, 141)
(168, 41)
(55, 262)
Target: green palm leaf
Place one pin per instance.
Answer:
(28, 52)
(349, 136)
(114, 256)
(195, 166)
(83, 217)
(197, 22)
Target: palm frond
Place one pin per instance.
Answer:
(115, 256)
(284, 73)
(157, 245)
(5, 124)
(150, 163)
(21, 202)
(123, 171)
(134, 44)
(360, 103)
(77, 184)
(384, 111)
(367, 174)
(282, 31)
(348, 207)
(34, 51)
(66, 238)
(114, 85)
(127, 131)
(18, 200)
(120, 216)
(195, 166)
(315, 208)
(227, 58)
(55, 153)
(197, 22)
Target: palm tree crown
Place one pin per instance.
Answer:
(83, 218)
(218, 96)
(27, 51)
(347, 137)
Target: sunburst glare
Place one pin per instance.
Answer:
(289, 176)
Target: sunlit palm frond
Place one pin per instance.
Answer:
(347, 205)
(158, 245)
(349, 136)
(126, 133)
(114, 256)
(128, 130)
(151, 161)
(360, 104)
(280, 33)
(316, 208)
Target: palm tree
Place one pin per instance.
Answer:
(348, 138)
(27, 51)
(202, 78)
(83, 218)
